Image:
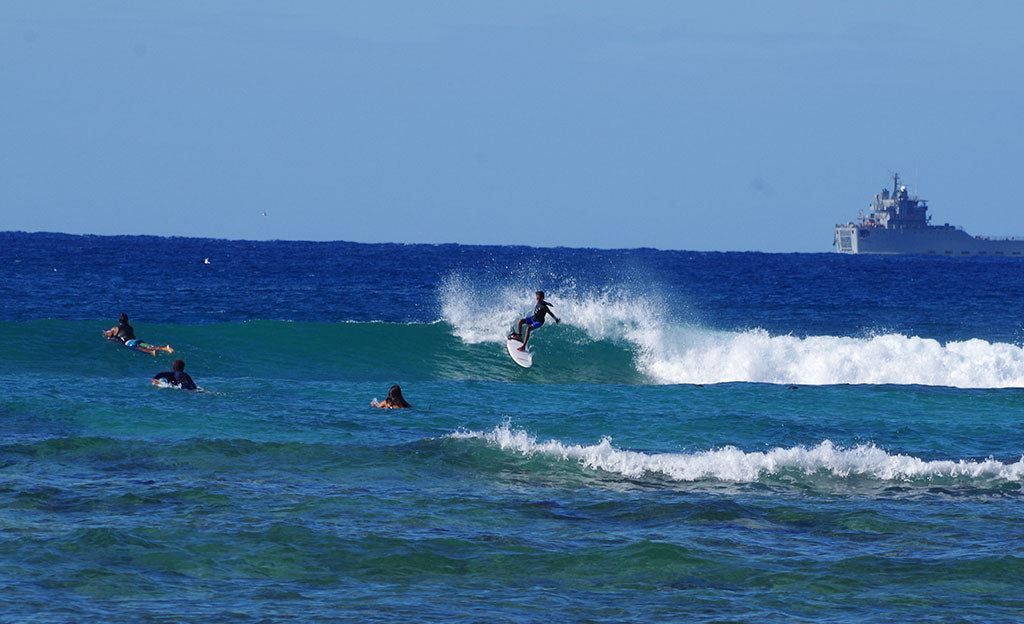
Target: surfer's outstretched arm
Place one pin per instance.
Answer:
(547, 310)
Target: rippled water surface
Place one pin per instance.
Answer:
(705, 437)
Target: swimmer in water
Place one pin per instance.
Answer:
(178, 377)
(395, 400)
(535, 320)
(126, 335)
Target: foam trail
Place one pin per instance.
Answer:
(733, 465)
(689, 355)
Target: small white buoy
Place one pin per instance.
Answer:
(206, 261)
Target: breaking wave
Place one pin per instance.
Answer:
(665, 351)
(607, 337)
(734, 465)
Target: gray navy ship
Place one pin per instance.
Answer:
(900, 224)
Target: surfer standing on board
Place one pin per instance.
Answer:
(126, 335)
(535, 320)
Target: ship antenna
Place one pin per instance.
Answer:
(895, 183)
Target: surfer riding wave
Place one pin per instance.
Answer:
(535, 320)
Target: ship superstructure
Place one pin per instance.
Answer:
(900, 224)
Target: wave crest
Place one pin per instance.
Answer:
(734, 465)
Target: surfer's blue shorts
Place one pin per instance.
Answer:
(534, 324)
(131, 343)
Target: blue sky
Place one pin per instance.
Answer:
(680, 125)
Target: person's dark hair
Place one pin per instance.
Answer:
(123, 319)
(541, 293)
(178, 366)
(395, 398)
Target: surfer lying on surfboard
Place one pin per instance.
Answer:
(535, 320)
(126, 335)
(176, 377)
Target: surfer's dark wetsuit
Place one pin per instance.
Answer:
(541, 310)
(124, 332)
(126, 335)
(177, 378)
(534, 321)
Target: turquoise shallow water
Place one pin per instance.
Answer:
(206, 507)
(654, 465)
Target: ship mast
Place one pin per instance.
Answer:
(895, 183)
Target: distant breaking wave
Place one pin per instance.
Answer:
(673, 353)
(734, 465)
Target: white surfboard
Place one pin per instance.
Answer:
(522, 358)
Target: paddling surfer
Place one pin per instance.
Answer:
(394, 400)
(126, 334)
(176, 377)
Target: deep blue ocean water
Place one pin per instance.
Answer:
(706, 437)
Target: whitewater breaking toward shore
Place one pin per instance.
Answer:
(732, 464)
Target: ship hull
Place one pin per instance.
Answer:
(933, 241)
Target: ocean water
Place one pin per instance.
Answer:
(706, 437)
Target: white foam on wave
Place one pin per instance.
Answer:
(484, 314)
(673, 353)
(693, 355)
(734, 465)
(477, 316)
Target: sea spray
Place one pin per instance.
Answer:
(480, 311)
